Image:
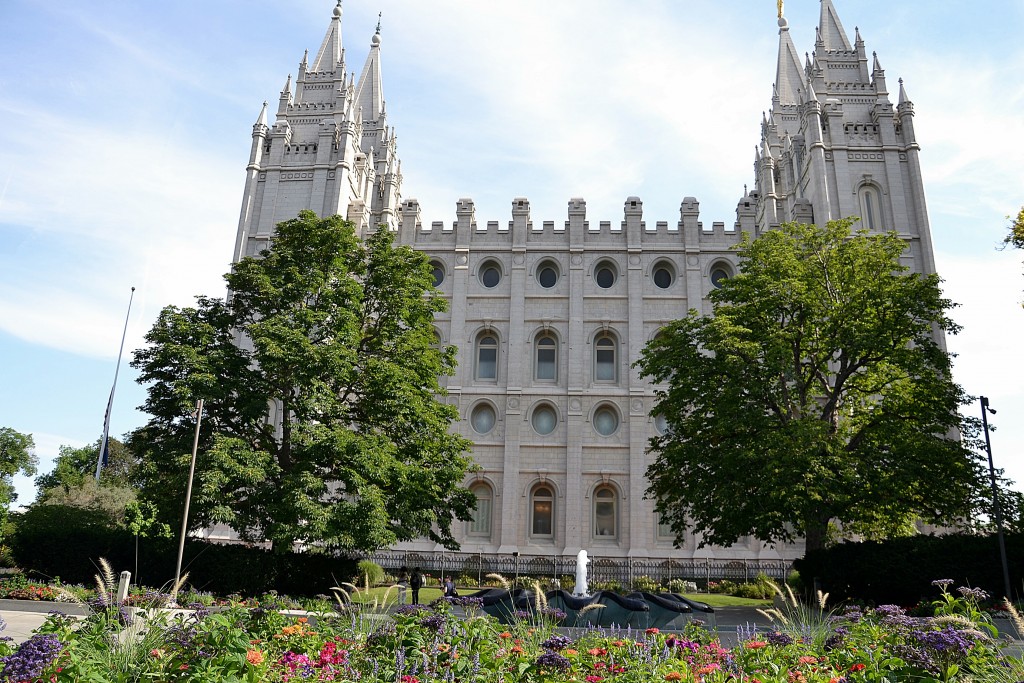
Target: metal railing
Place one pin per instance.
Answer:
(623, 570)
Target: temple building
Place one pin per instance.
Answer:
(549, 314)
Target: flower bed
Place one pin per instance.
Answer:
(421, 644)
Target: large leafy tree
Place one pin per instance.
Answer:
(75, 466)
(15, 456)
(819, 392)
(323, 421)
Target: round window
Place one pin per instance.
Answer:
(719, 275)
(490, 275)
(661, 424)
(547, 276)
(437, 270)
(663, 276)
(544, 419)
(483, 418)
(605, 275)
(606, 421)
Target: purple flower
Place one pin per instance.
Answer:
(31, 658)
(942, 583)
(435, 622)
(556, 643)
(553, 660)
(777, 638)
(973, 593)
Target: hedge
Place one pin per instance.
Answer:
(900, 570)
(57, 541)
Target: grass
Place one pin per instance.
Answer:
(719, 600)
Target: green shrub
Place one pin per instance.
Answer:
(370, 573)
(646, 584)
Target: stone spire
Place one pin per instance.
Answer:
(330, 53)
(789, 78)
(369, 92)
(830, 29)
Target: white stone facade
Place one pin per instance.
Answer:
(549, 316)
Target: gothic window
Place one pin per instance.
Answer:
(483, 418)
(544, 419)
(480, 525)
(606, 420)
(605, 512)
(542, 512)
(663, 274)
(547, 274)
(487, 356)
(869, 208)
(546, 357)
(605, 358)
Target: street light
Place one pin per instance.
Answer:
(996, 509)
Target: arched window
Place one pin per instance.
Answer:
(487, 356)
(870, 207)
(605, 358)
(480, 525)
(665, 532)
(605, 512)
(545, 365)
(542, 512)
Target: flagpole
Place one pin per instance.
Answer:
(101, 461)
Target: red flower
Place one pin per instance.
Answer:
(858, 667)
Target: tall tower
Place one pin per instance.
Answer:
(329, 150)
(833, 145)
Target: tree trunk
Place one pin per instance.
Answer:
(815, 534)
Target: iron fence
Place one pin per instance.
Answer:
(623, 570)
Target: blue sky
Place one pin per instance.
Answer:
(125, 129)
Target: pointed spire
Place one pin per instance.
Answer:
(305, 59)
(287, 89)
(857, 40)
(369, 91)
(876, 66)
(262, 119)
(903, 94)
(831, 29)
(789, 76)
(329, 55)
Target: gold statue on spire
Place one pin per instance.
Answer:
(779, 3)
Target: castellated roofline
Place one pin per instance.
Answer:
(632, 227)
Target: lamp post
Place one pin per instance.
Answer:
(996, 509)
(188, 499)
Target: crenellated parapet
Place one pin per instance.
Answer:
(688, 231)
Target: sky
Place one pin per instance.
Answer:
(125, 129)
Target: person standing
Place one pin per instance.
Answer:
(449, 588)
(416, 583)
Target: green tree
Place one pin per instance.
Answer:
(334, 337)
(1016, 235)
(15, 456)
(76, 465)
(818, 392)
